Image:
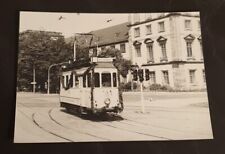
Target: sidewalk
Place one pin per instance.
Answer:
(169, 103)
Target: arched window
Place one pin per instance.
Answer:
(149, 47)
(162, 43)
(189, 39)
(137, 47)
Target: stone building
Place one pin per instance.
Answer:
(170, 46)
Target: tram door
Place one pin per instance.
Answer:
(85, 91)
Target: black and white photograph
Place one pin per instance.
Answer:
(103, 77)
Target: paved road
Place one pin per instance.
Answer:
(168, 116)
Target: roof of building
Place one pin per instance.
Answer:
(110, 35)
(105, 36)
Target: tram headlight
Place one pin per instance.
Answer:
(107, 101)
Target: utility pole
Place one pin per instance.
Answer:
(74, 48)
(34, 82)
(142, 99)
(141, 79)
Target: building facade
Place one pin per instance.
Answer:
(170, 46)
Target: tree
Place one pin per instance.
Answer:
(40, 49)
(120, 63)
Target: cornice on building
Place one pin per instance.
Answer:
(174, 62)
(162, 17)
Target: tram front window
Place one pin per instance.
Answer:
(89, 80)
(106, 80)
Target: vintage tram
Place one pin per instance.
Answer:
(91, 87)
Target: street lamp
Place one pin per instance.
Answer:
(49, 68)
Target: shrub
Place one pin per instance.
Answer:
(159, 87)
(127, 86)
(155, 86)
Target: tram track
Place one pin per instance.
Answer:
(127, 126)
(36, 123)
(32, 119)
(46, 130)
(100, 124)
(53, 119)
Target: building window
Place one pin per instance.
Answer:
(152, 77)
(122, 48)
(95, 52)
(161, 26)
(138, 50)
(136, 17)
(163, 49)
(203, 73)
(102, 48)
(148, 29)
(165, 77)
(137, 32)
(189, 48)
(192, 76)
(187, 24)
(150, 56)
(112, 46)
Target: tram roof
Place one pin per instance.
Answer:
(104, 65)
(85, 65)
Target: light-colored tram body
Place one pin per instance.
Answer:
(93, 88)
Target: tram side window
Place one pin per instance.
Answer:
(84, 81)
(67, 79)
(89, 80)
(106, 80)
(71, 79)
(114, 80)
(76, 81)
(63, 80)
(97, 81)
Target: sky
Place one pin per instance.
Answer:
(70, 23)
